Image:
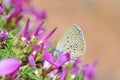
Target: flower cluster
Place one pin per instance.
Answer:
(25, 54)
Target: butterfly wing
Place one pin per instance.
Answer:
(73, 42)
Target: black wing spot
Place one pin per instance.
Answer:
(67, 37)
(71, 46)
(67, 41)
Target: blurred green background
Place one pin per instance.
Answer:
(100, 22)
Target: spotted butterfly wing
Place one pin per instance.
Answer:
(73, 42)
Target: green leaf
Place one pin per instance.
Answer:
(79, 76)
(1, 24)
(34, 77)
(14, 31)
(2, 78)
(28, 72)
(47, 79)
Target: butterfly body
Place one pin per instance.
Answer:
(72, 42)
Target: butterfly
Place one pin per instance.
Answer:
(72, 42)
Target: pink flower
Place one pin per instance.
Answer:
(18, 4)
(88, 71)
(63, 73)
(17, 79)
(1, 9)
(9, 66)
(3, 34)
(33, 55)
(45, 38)
(15, 14)
(37, 29)
(38, 14)
(76, 68)
(25, 35)
(62, 59)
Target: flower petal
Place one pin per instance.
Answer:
(8, 66)
(38, 14)
(25, 35)
(47, 44)
(17, 79)
(3, 34)
(48, 57)
(88, 71)
(62, 59)
(31, 60)
(35, 50)
(63, 74)
(47, 36)
(46, 65)
(1, 9)
(36, 31)
(76, 67)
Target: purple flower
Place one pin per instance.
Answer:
(47, 44)
(38, 14)
(31, 60)
(3, 34)
(41, 31)
(18, 4)
(25, 35)
(1, 11)
(76, 67)
(63, 74)
(25, 7)
(0, 7)
(17, 79)
(33, 55)
(17, 10)
(18, 19)
(37, 29)
(45, 38)
(8, 66)
(62, 59)
(15, 14)
(88, 71)
(12, 75)
(48, 57)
